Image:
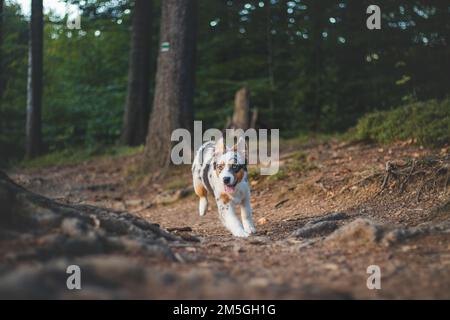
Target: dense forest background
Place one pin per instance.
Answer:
(310, 66)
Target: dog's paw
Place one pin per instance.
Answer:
(240, 233)
(249, 228)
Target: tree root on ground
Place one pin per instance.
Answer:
(57, 229)
(429, 173)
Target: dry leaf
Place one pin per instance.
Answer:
(262, 221)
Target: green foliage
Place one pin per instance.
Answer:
(85, 76)
(253, 173)
(311, 66)
(13, 72)
(326, 74)
(426, 122)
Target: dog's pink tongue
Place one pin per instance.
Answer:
(229, 188)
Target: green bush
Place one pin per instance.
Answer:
(427, 122)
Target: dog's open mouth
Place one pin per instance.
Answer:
(229, 188)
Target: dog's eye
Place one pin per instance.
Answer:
(235, 167)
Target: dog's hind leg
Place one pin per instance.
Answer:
(202, 193)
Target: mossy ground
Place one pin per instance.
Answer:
(426, 123)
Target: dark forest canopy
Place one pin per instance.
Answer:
(310, 65)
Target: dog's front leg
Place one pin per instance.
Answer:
(229, 219)
(246, 215)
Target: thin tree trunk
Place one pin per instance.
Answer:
(137, 104)
(35, 72)
(187, 106)
(318, 64)
(1, 50)
(172, 105)
(269, 41)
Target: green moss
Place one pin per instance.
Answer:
(253, 173)
(281, 174)
(426, 122)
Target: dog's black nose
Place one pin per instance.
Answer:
(226, 180)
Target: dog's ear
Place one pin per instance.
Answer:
(220, 147)
(242, 148)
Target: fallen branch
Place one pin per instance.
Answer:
(388, 169)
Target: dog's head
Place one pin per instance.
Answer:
(230, 164)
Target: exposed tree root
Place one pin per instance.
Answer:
(74, 230)
(431, 172)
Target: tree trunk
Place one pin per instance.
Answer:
(137, 104)
(317, 60)
(269, 41)
(1, 50)
(35, 71)
(241, 114)
(174, 91)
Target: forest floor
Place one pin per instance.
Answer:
(333, 210)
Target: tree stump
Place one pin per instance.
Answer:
(241, 114)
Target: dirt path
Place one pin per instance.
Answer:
(303, 249)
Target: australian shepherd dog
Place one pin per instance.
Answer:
(222, 172)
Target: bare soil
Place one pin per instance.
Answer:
(407, 236)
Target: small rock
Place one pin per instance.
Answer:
(259, 282)
(95, 221)
(358, 232)
(407, 248)
(72, 227)
(330, 266)
(258, 240)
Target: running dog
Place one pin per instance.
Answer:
(222, 171)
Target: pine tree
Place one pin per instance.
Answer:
(173, 101)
